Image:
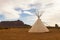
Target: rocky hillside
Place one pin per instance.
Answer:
(17, 23)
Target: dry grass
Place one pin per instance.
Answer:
(23, 34)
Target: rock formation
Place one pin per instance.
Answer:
(8, 24)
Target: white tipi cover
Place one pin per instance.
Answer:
(38, 27)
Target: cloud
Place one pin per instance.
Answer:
(7, 8)
(27, 12)
(50, 16)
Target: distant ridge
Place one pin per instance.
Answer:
(9, 24)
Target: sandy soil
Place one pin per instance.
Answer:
(23, 34)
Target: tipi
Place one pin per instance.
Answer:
(38, 25)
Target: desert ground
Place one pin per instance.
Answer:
(23, 34)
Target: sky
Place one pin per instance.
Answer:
(12, 10)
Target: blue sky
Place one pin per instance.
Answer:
(25, 17)
(12, 10)
(1, 17)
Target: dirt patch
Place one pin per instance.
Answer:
(23, 34)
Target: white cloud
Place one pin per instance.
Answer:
(27, 12)
(51, 15)
(7, 7)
